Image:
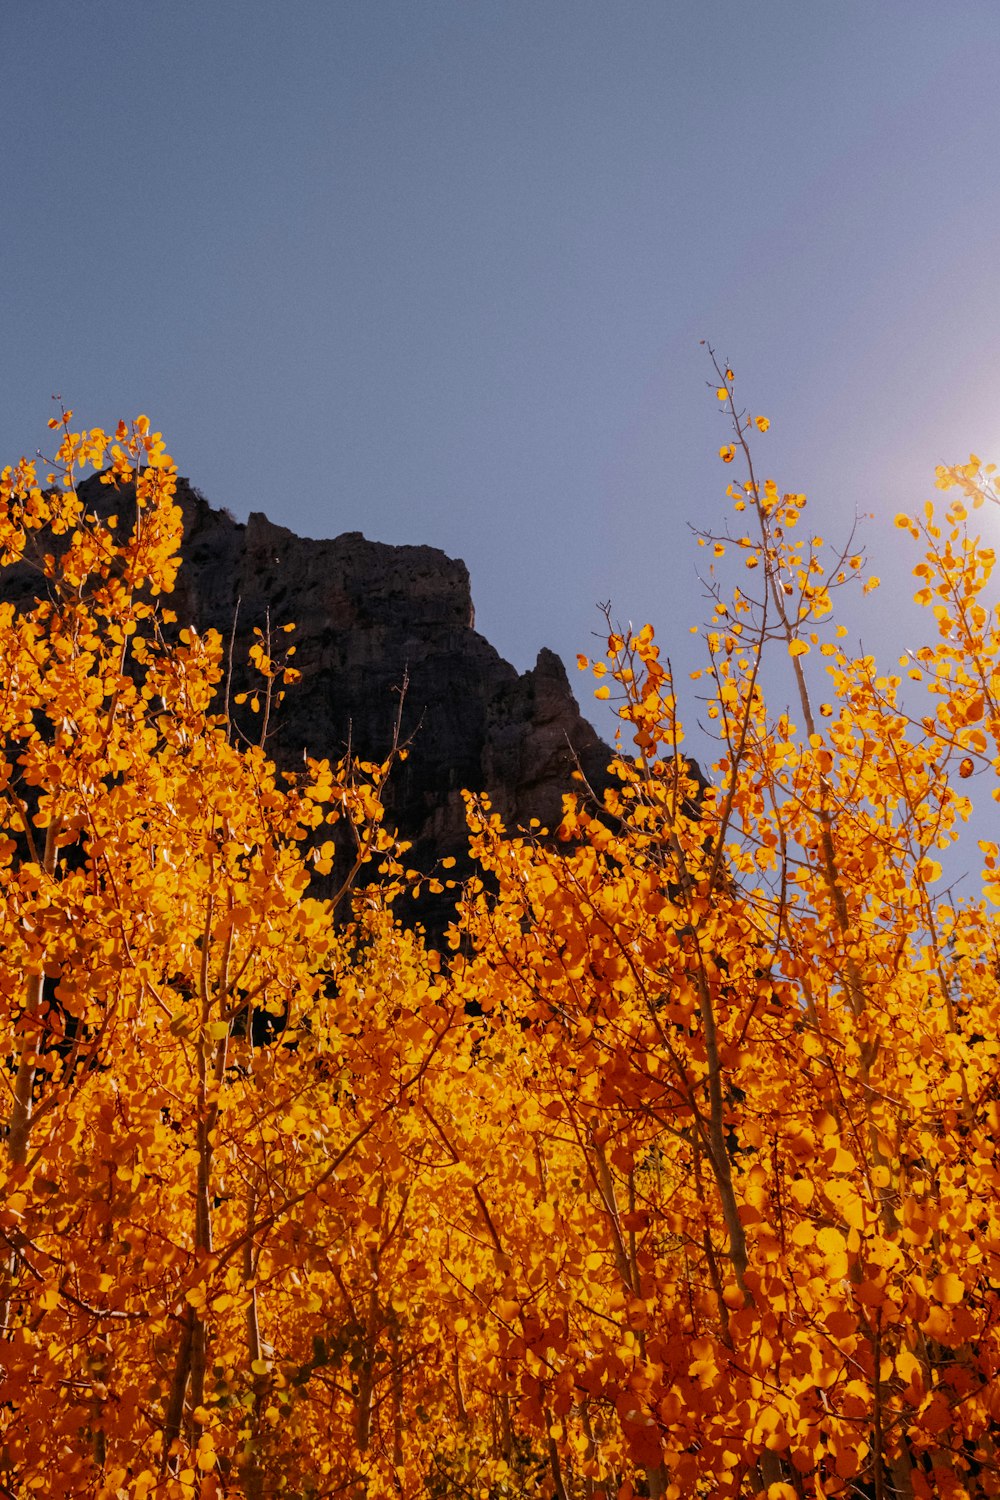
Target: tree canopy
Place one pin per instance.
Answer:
(676, 1174)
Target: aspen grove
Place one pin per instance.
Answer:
(676, 1173)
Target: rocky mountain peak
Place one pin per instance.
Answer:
(368, 618)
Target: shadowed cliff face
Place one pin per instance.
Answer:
(369, 616)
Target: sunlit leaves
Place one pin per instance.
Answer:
(204, 1126)
(844, 1022)
(676, 1175)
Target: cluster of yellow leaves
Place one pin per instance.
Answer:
(211, 1135)
(680, 1177)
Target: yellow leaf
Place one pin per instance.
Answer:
(947, 1288)
(937, 1323)
(797, 648)
(761, 423)
(830, 1240)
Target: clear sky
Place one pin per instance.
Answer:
(437, 270)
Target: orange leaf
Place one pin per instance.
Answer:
(948, 1288)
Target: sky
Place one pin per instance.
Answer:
(439, 271)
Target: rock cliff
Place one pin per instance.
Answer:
(369, 616)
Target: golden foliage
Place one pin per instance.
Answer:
(678, 1178)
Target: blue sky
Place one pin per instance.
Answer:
(438, 270)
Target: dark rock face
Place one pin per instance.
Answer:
(369, 616)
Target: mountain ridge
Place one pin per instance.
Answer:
(371, 617)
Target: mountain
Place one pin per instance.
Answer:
(369, 618)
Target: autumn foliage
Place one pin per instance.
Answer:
(675, 1175)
